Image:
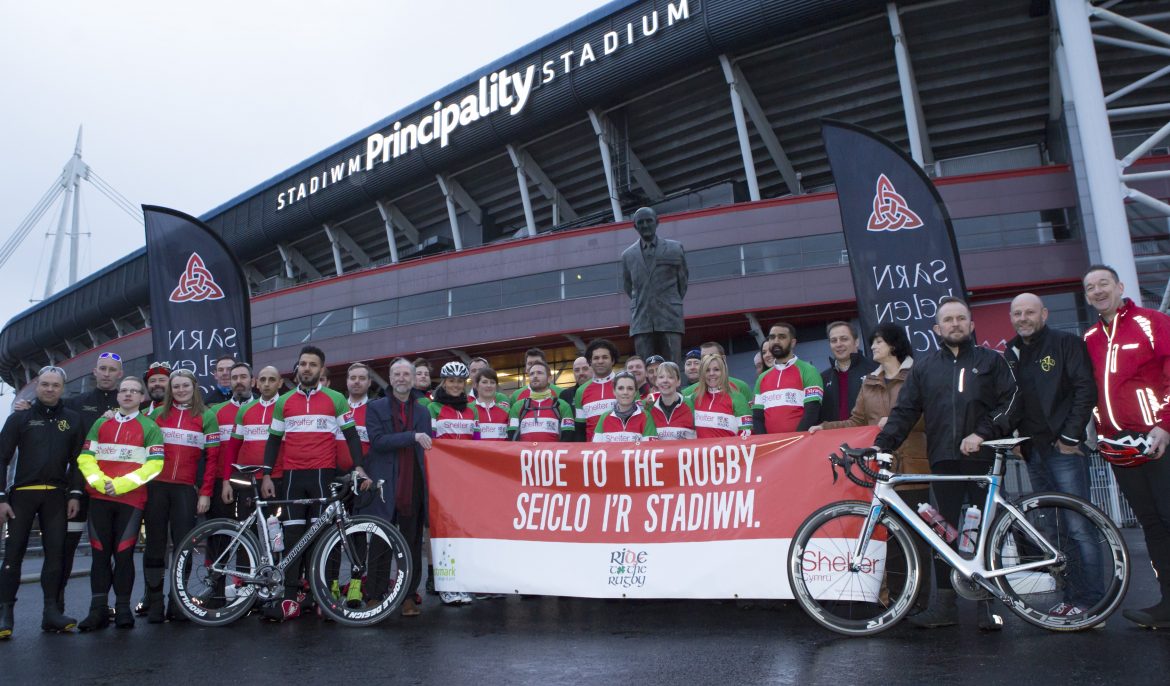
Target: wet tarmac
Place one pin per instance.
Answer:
(579, 641)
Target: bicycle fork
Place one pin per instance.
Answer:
(876, 508)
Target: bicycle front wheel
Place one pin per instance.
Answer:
(853, 597)
(206, 596)
(361, 580)
(1079, 591)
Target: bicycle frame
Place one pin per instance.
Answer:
(333, 514)
(884, 496)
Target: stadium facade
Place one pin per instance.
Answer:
(489, 216)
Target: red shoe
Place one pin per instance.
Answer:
(282, 611)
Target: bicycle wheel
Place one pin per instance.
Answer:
(1075, 594)
(211, 598)
(855, 603)
(368, 587)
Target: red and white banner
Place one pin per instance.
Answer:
(656, 519)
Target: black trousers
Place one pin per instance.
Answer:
(49, 507)
(113, 532)
(170, 508)
(1147, 488)
(411, 525)
(665, 343)
(300, 483)
(950, 498)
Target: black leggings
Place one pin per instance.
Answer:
(951, 497)
(113, 531)
(300, 483)
(169, 507)
(74, 527)
(49, 506)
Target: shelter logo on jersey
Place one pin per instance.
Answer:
(890, 211)
(196, 284)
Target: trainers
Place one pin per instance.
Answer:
(452, 598)
(353, 595)
(283, 610)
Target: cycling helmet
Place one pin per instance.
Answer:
(453, 370)
(1127, 449)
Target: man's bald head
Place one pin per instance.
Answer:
(1028, 314)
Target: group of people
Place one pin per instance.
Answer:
(157, 451)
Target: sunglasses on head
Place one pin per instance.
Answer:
(110, 356)
(54, 370)
(160, 365)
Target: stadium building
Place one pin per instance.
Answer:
(489, 216)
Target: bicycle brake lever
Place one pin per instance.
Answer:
(833, 466)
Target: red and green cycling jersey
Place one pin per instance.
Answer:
(783, 391)
(493, 421)
(613, 429)
(126, 450)
(450, 423)
(501, 399)
(546, 419)
(308, 423)
(674, 423)
(720, 414)
(737, 385)
(344, 459)
(249, 438)
(594, 398)
(189, 438)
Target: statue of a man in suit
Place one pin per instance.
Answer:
(654, 275)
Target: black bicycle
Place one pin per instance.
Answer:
(358, 569)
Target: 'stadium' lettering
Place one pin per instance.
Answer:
(509, 89)
(700, 511)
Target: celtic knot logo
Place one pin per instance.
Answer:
(890, 211)
(196, 284)
(1047, 363)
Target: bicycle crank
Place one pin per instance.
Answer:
(969, 588)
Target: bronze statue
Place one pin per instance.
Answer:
(654, 276)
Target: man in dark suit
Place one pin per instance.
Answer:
(400, 430)
(654, 276)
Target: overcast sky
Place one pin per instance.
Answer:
(189, 105)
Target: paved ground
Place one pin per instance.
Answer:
(577, 641)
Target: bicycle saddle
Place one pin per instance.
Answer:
(1004, 443)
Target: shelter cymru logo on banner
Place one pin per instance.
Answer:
(890, 211)
(196, 283)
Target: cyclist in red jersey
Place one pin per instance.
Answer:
(191, 440)
(121, 454)
(493, 416)
(672, 412)
(627, 421)
(595, 397)
(453, 418)
(357, 383)
(305, 420)
(719, 410)
(542, 416)
(249, 437)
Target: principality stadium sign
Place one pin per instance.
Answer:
(503, 90)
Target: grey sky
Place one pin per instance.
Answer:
(188, 105)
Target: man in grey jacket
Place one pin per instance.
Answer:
(654, 276)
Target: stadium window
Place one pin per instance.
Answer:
(262, 337)
(479, 297)
(332, 324)
(714, 263)
(771, 256)
(376, 315)
(422, 307)
(599, 279)
(531, 289)
(292, 331)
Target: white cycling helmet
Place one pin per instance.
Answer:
(454, 370)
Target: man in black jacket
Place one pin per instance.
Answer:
(845, 374)
(1057, 394)
(46, 485)
(967, 394)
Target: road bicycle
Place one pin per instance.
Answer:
(358, 569)
(1054, 559)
